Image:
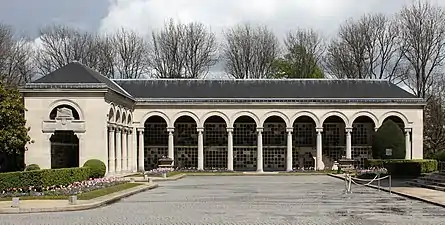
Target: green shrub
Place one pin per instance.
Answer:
(97, 168)
(388, 136)
(43, 178)
(32, 167)
(439, 156)
(405, 168)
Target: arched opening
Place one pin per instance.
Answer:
(118, 117)
(53, 113)
(155, 141)
(396, 120)
(129, 121)
(186, 143)
(274, 144)
(334, 140)
(363, 129)
(304, 143)
(124, 119)
(64, 150)
(215, 143)
(111, 115)
(245, 144)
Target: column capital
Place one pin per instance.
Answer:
(408, 130)
(229, 129)
(289, 129)
(118, 129)
(319, 129)
(348, 129)
(140, 129)
(170, 129)
(200, 129)
(259, 129)
(111, 127)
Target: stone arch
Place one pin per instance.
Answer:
(117, 118)
(111, 113)
(364, 113)
(275, 113)
(129, 119)
(184, 113)
(396, 114)
(155, 113)
(308, 114)
(334, 113)
(124, 117)
(68, 102)
(244, 113)
(213, 113)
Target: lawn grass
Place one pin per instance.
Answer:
(84, 196)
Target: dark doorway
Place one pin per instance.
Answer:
(64, 150)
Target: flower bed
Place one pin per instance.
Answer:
(63, 190)
(371, 173)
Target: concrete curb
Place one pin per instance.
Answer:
(397, 192)
(94, 203)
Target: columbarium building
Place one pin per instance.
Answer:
(76, 114)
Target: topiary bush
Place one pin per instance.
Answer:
(388, 136)
(32, 167)
(97, 168)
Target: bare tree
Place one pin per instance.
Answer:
(366, 48)
(182, 51)
(422, 27)
(199, 50)
(303, 52)
(131, 54)
(249, 52)
(166, 56)
(434, 119)
(106, 56)
(62, 45)
(15, 58)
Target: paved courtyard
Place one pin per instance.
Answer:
(250, 200)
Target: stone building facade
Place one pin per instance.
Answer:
(76, 114)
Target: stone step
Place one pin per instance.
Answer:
(429, 186)
(430, 182)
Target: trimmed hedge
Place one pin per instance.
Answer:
(403, 167)
(32, 167)
(43, 178)
(97, 168)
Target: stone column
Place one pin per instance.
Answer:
(118, 150)
(407, 143)
(134, 149)
(289, 149)
(124, 150)
(111, 151)
(260, 150)
(348, 143)
(171, 143)
(141, 166)
(130, 149)
(230, 148)
(200, 148)
(319, 161)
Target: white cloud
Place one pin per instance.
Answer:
(281, 15)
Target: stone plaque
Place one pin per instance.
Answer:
(388, 152)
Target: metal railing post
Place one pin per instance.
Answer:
(390, 184)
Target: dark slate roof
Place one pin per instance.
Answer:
(77, 73)
(266, 89)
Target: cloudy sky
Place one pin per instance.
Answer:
(144, 15)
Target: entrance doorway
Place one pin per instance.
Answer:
(64, 150)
